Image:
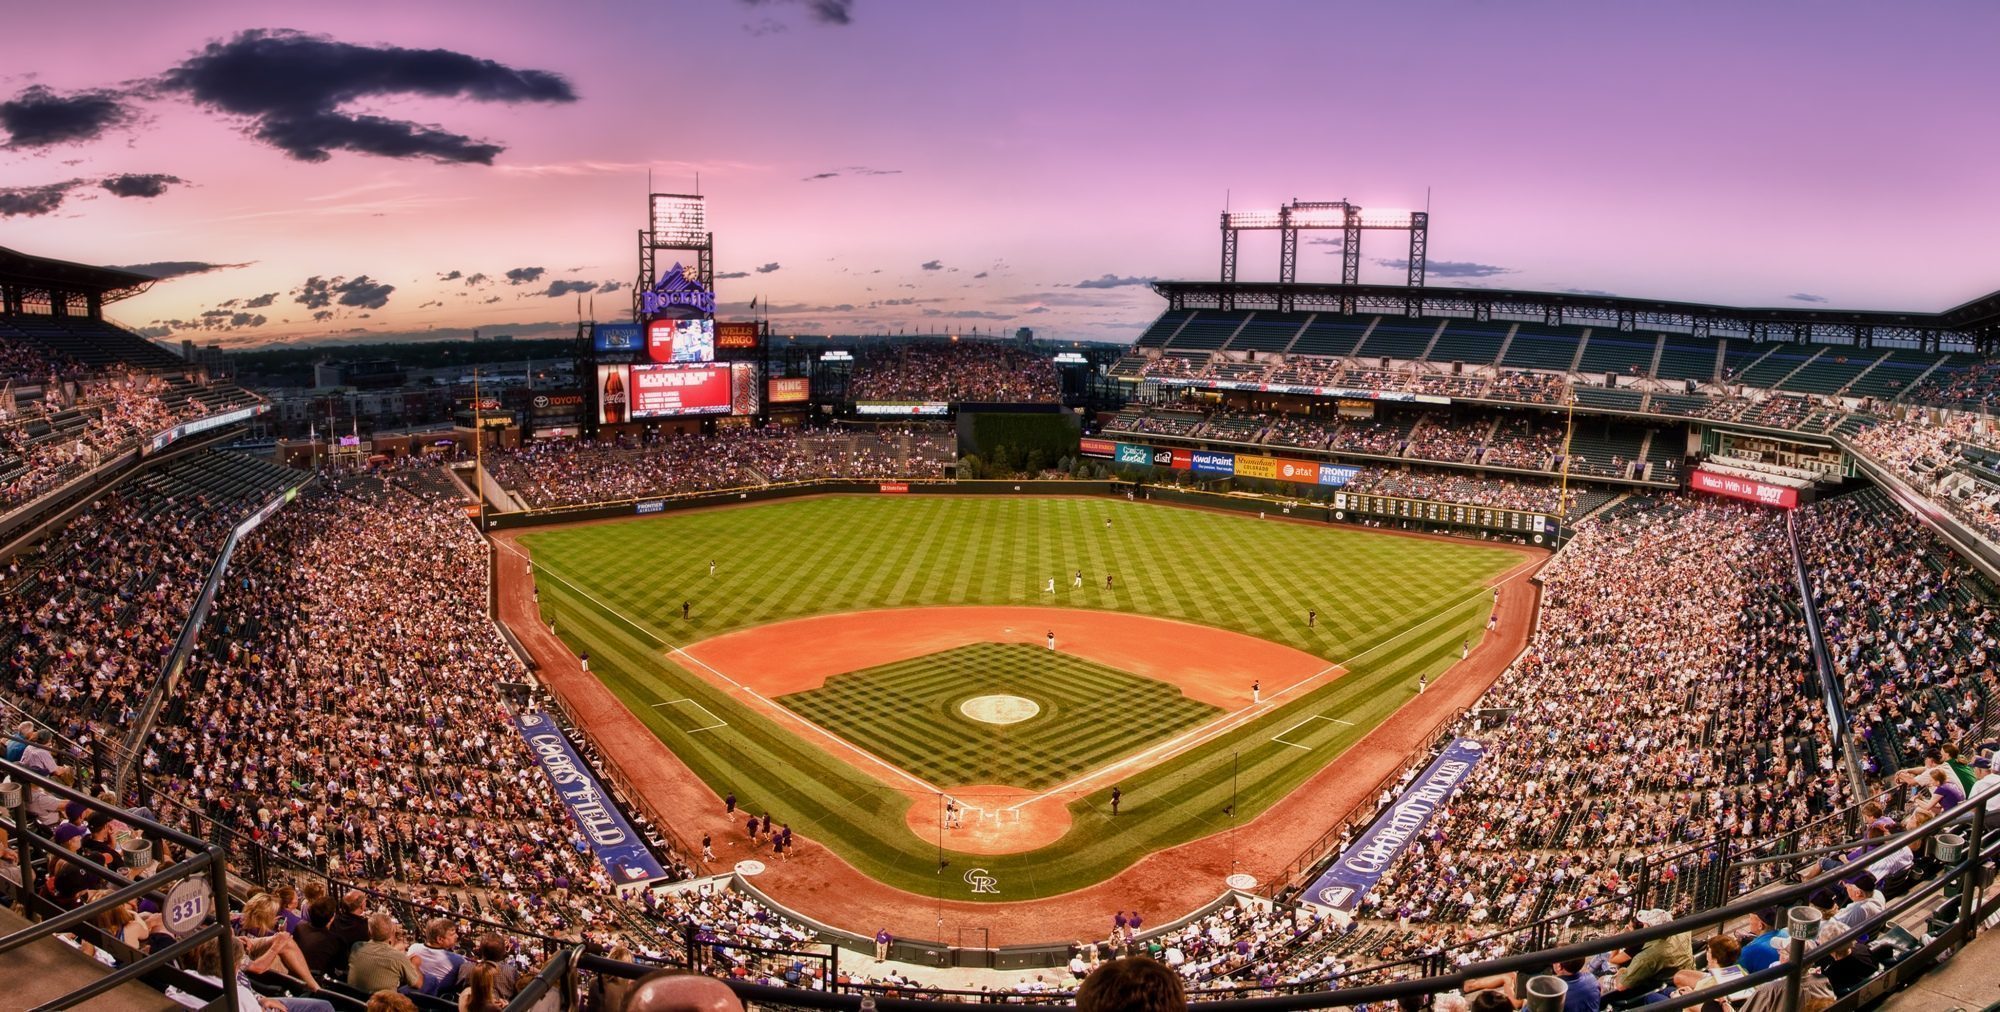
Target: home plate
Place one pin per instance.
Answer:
(749, 868)
(1241, 881)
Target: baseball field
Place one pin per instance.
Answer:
(853, 665)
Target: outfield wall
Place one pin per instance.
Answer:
(1352, 508)
(768, 493)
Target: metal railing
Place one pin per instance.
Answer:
(148, 877)
(1953, 901)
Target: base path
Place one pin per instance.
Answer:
(1209, 665)
(1166, 884)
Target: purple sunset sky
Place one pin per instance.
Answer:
(1758, 154)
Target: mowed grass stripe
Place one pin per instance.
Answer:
(787, 560)
(908, 712)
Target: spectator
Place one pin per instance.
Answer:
(1131, 984)
(381, 963)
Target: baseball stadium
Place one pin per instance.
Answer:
(1330, 644)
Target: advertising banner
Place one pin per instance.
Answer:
(1349, 393)
(650, 506)
(1305, 472)
(667, 390)
(1209, 462)
(614, 385)
(622, 852)
(789, 390)
(1176, 459)
(745, 393)
(736, 334)
(1133, 453)
(617, 338)
(1363, 863)
(901, 408)
(1333, 474)
(681, 340)
(1248, 466)
(1094, 447)
(1749, 490)
(895, 487)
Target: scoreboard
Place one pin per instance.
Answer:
(1491, 518)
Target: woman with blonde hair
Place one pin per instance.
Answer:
(267, 944)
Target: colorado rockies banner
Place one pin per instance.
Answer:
(1363, 863)
(611, 838)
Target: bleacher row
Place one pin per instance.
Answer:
(1810, 388)
(1882, 373)
(1600, 447)
(78, 345)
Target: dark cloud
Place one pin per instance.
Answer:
(260, 301)
(1806, 297)
(1586, 291)
(292, 86)
(45, 198)
(164, 269)
(979, 275)
(489, 300)
(39, 117)
(35, 201)
(607, 287)
(732, 275)
(219, 320)
(323, 315)
(1449, 268)
(360, 293)
(765, 26)
(525, 275)
(475, 280)
(967, 314)
(768, 268)
(450, 276)
(859, 170)
(827, 12)
(1114, 281)
(147, 184)
(932, 265)
(560, 288)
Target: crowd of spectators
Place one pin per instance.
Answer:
(1975, 387)
(1441, 437)
(1372, 435)
(343, 708)
(953, 371)
(1701, 721)
(1944, 461)
(1460, 487)
(1530, 387)
(566, 472)
(1520, 443)
(91, 614)
(1912, 641)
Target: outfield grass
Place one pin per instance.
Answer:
(1389, 609)
(909, 713)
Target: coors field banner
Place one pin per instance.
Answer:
(611, 838)
(1365, 860)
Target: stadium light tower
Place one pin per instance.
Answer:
(1315, 215)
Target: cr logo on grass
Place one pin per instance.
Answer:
(980, 881)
